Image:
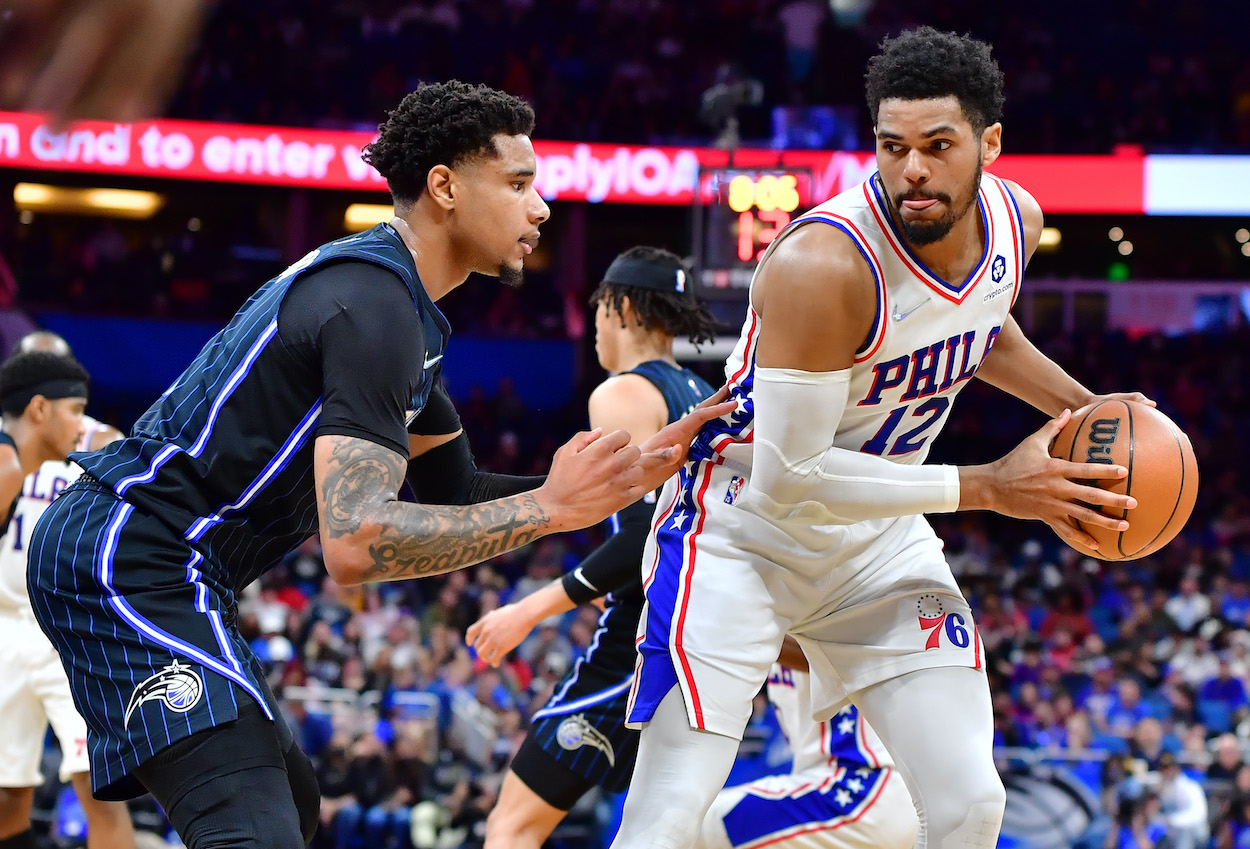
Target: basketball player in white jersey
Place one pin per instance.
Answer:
(33, 689)
(802, 511)
(842, 791)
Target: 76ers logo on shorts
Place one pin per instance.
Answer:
(934, 619)
(735, 489)
(176, 686)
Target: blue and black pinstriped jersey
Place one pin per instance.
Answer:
(225, 456)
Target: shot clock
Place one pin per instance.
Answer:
(739, 213)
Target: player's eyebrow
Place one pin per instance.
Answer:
(522, 172)
(941, 129)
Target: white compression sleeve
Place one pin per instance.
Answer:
(796, 471)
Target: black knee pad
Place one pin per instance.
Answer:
(305, 790)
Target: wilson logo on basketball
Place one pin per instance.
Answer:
(1102, 435)
(176, 686)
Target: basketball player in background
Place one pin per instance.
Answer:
(842, 791)
(42, 396)
(579, 739)
(96, 434)
(300, 416)
(802, 511)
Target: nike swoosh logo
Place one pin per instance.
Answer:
(899, 316)
(432, 360)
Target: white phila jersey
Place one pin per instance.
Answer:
(38, 490)
(844, 740)
(928, 338)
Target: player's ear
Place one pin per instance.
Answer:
(39, 409)
(991, 142)
(440, 183)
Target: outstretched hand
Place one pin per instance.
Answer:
(498, 632)
(117, 60)
(664, 453)
(1114, 396)
(592, 476)
(1028, 483)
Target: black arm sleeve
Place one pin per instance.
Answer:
(617, 563)
(359, 320)
(448, 474)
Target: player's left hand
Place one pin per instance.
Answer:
(1114, 396)
(663, 454)
(499, 632)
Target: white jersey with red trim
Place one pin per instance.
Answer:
(843, 740)
(928, 336)
(38, 490)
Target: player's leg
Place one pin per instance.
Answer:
(227, 786)
(21, 736)
(938, 725)
(15, 804)
(679, 772)
(521, 819)
(578, 741)
(108, 823)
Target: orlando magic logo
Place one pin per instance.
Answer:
(999, 268)
(575, 732)
(176, 686)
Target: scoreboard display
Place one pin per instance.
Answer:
(738, 213)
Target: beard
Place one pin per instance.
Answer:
(511, 277)
(921, 233)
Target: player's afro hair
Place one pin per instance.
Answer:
(444, 123)
(676, 313)
(23, 372)
(926, 63)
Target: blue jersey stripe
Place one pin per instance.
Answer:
(276, 465)
(169, 641)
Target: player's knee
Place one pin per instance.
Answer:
(15, 804)
(970, 822)
(509, 825)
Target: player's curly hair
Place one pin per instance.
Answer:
(676, 313)
(445, 123)
(926, 63)
(27, 370)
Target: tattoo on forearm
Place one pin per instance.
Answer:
(361, 475)
(435, 543)
(409, 541)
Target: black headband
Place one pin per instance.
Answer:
(646, 274)
(16, 402)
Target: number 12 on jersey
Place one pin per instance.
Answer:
(922, 417)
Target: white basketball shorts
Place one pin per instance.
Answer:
(867, 602)
(33, 693)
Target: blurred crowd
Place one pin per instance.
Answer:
(1081, 77)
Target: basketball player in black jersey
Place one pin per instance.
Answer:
(303, 415)
(579, 738)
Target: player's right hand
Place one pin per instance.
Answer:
(1028, 483)
(498, 632)
(592, 476)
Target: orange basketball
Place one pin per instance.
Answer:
(1162, 473)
